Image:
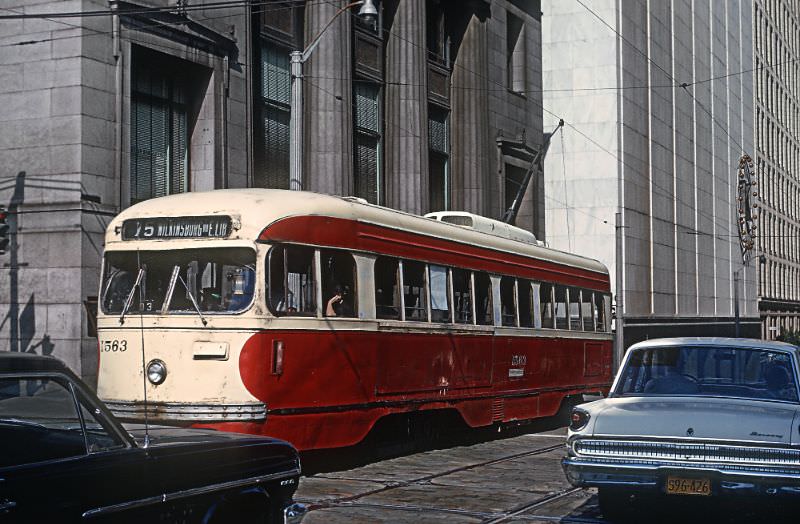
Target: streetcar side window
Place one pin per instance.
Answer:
(291, 281)
(546, 301)
(338, 283)
(562, 322)
(525, 299)
(484, 312)
(414, 290)
(508, 305)
(586, 310)
(462, 295)
(574, 296)
(600, 312)
(440, 293)
(387, 288)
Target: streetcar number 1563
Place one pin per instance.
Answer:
(114, 345)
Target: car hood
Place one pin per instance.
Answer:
(173, 436)
(700, 418)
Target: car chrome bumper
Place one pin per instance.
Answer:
(650, 476)
(294, 513)
(188, 411)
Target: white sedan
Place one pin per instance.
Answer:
(692, 417)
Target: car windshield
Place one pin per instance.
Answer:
(208, 280)
(709, 371)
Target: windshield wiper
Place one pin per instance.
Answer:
(171, 290)
(194, 301)
(129, 300)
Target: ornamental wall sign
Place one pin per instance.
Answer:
(747, 207)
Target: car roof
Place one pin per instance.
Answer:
(716, 341)
(14, 361)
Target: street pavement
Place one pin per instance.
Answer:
(506, 480)
(502, 480)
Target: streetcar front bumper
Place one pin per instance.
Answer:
(726, 479)
(187, 412)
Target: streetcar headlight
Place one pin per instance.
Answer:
(156, 372)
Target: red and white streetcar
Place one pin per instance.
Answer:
(310, 317)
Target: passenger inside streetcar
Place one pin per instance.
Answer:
(339, 304)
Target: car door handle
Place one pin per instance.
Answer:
(7, 505)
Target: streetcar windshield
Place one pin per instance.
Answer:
(218, 280)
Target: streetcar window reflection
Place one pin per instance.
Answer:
(387, 289)
(291, 281)
(574, 297)
(507, 303)
(586, 310)
(414, 289)
(562, 322)
(546, 299)
(462, 295)
(484, 312)
(339, 283)
(440, 293)
(525, 299)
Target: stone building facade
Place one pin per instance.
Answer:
(658, 97)
(437, 105)
(776, 52)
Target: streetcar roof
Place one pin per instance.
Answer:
(254, 209)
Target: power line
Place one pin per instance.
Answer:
(684, 85)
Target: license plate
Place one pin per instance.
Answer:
(684, 486)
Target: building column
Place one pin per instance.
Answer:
(328, 92)
(469, 118)
(406, 119)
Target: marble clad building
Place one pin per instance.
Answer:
(435, 106)
(776, 29)
(658, 96)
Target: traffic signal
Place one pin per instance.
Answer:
(4, 240)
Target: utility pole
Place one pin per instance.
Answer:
(297, 59)
(619, 336)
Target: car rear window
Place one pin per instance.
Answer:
(709, 371)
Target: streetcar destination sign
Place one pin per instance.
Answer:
(176, 227)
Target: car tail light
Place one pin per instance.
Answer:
(277, 357)
(578, 419)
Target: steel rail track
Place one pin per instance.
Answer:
(425, 478)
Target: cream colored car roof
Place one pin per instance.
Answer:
(255, 209)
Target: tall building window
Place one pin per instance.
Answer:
(438, 158)
(367, 140)
(515, 54)
(280, 31)
(274, 115)
(368, 53)
(159, 130)
(438, 46)
(436, 35)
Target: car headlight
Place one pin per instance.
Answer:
(578, 419)
(156, 372)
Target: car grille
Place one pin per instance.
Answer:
(696, 452)
(188, 412)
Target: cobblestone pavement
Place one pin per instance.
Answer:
(512, 480)
(508, 480)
